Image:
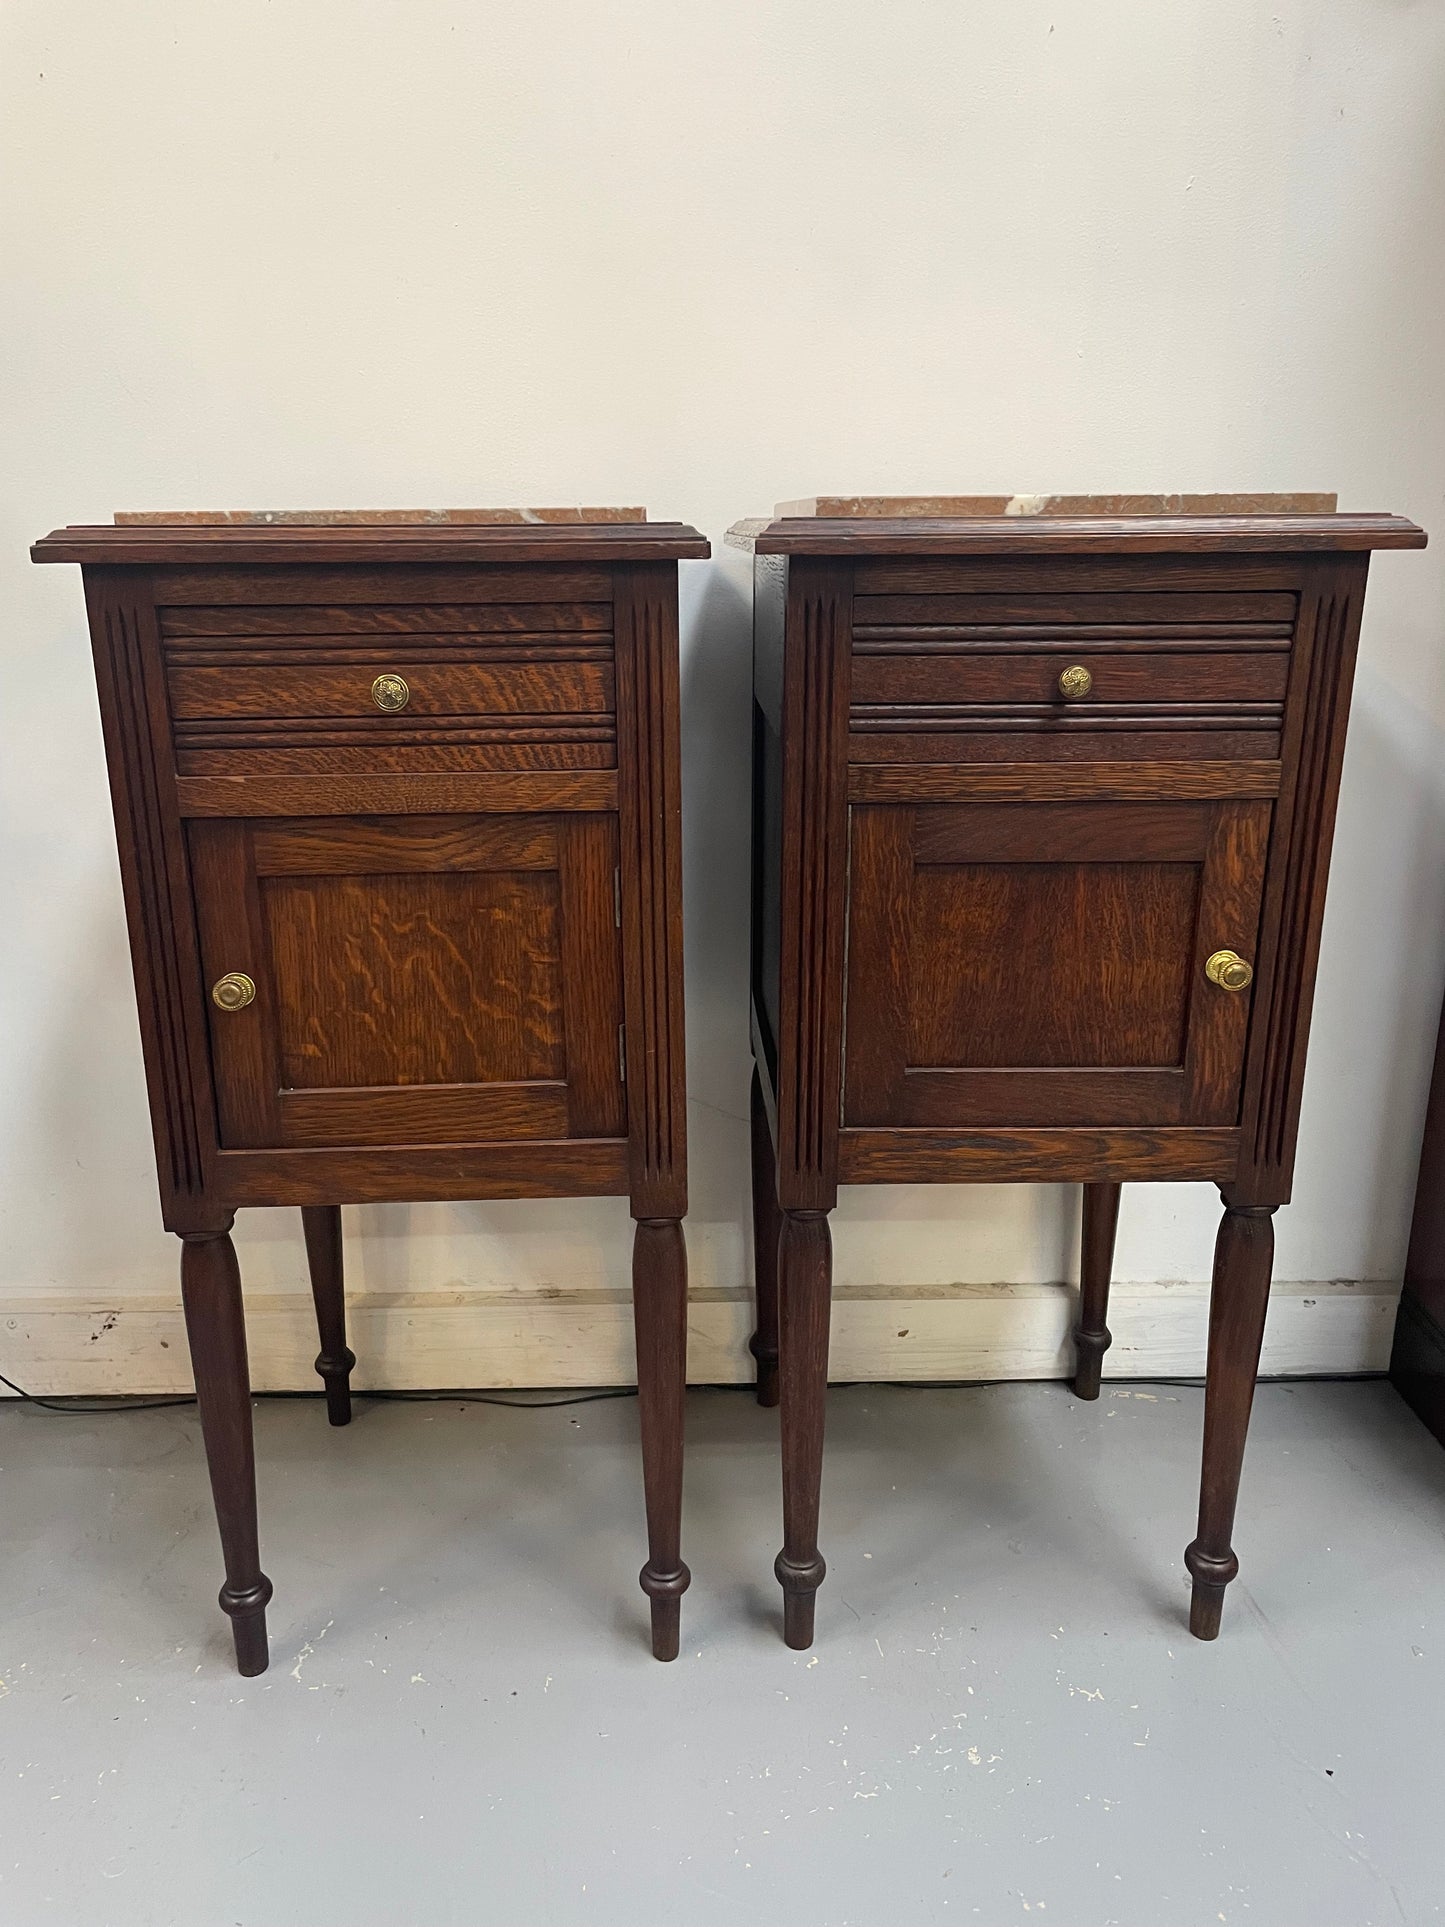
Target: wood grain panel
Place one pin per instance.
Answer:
(404, 585)
(590, 899)
(437, 689)
(1026, 676)
(1058, 832)
(478, 753)
(1117, 940)
(1035, 1156)
(233, 937)
(374, 845)
(881, 860)
(340, 794)
(1043, 582)
(562, 1168)
(1102, 739)
(337, 623)
(426, 1114)
(1031, 964)
(1029, 782)
(418, 979)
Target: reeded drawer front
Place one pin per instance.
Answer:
(1223, 679)
(1050, 676)
(338, 688)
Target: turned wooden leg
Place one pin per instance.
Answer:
(322, 1224)
(1243, 1254)
(659, 1307)
(805, 1279)
(216, 1328)
(766, 1227)
(1096, 1267)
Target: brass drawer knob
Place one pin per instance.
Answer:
(390, 693)
(1075, 682)
(1229, 970)
(233, 991)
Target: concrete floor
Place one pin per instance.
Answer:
(1004, 1716)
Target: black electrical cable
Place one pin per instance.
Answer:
(82, 1408)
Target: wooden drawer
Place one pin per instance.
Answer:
(435, 689)
(1222, 678)
(950, 677)
(348, 688)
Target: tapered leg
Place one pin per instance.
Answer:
(766, 1226)
(1096, 1267)
(322, 1224)
(805, 1281)
(1243, 1255)
(659, 1305)
(216, 1328)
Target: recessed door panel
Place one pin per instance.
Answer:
(415, 979)
(1045, 964)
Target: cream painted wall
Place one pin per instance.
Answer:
(441, 253)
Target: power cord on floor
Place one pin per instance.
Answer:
(86, 1408)
(89, 1408)
(82, 1408)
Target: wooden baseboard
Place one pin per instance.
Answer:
(1417, 1364)
(70, 1343)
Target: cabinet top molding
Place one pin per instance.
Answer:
(1037, 535)
(157, 544)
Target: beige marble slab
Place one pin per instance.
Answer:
(845, 508)
(368, 518)
(848, 507)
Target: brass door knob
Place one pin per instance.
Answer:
(1229, 970)
(233, 991)
(1075, 682)
(390, 693)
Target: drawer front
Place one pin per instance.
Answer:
(364, 688)
(1058, 675)
(348, 687)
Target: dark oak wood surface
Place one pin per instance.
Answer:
(1042, 820)
(399, 818)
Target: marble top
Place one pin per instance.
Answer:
(743, 534)
(369, 518)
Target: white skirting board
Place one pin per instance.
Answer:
(63, 1343)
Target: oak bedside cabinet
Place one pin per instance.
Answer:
(398, 807)
(1044, 795)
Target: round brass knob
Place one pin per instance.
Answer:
(390, 693)
(233, 991)
(1075, 681)
(1229, 971)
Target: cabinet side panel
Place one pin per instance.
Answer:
(1316, 715)
(650, 854)
(156, 881)
(814, 885)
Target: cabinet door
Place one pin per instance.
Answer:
(417, 979)
(1044, 963)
